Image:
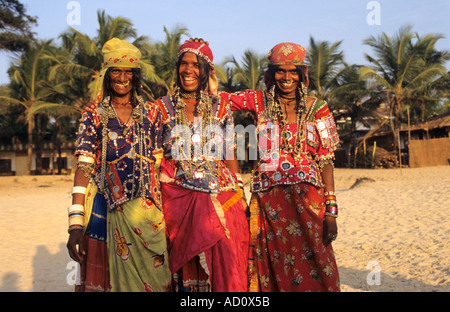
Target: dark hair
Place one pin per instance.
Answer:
(269, 75)
(204, 68)
(135, 81)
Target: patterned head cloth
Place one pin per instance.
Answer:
(120, 53)
(116, 53)
(288, 53)
(198, 47)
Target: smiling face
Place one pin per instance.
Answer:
(121, 81)
(189, 73)
(286, 79)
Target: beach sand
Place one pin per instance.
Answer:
(393, 231)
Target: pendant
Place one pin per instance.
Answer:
(198, 174)
(213, 184)
(196, 138)
(218, 139)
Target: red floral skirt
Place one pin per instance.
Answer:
(286, 226)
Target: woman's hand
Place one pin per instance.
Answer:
(213, 83)
(91, 105)
(76, 239)
(329, 230)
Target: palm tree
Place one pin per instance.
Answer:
(225, 76)
(427, 92)
(165, 58)
(325, 65)
(400, 67)
(109, 27)
(249, 74)
(15, 26)
(27, 87)
(75, 64)
(12, 127)
(442, 86)
(355, 101)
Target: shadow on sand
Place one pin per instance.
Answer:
(357, 280)
(49, 273)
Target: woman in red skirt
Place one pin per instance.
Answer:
(207, 228)
(293, 208)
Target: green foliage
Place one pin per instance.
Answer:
(52, 82)
(15, 26)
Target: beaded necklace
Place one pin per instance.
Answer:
(108, 112)
(120, 103)
(193, 95)
(192, 164)
(287, 101)
(274, 109)
(122, 125)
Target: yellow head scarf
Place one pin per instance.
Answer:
(116, 53)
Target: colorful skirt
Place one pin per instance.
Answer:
(137, 248)
(208, 239)
(286, 225)
(94, 275)
(126, 247)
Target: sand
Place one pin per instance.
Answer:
(394, 231)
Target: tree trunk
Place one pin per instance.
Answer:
(394, 109)
(352, 144)
(30, 146)
(58, 146)
(38, 145)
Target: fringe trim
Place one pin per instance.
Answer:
(165, 178)
(204, 265)
(91, 191)
(233, 200)
(220, 213)
(252, 269)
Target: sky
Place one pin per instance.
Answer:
(234, 26)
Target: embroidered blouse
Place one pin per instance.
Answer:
(197, 154)
(129, 171)
(280, 166)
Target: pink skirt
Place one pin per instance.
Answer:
(208, 239)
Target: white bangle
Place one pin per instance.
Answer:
(86, 159)
(78, 190)
(75, 207)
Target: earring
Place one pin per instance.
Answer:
(302, 91)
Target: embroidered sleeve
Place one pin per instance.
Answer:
(162, 109)
(88, 135)
(155, 117)
(249, 100)
(327, 135)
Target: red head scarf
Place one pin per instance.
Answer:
(198, 47)
(288, 53)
